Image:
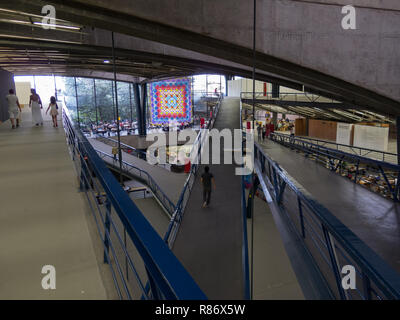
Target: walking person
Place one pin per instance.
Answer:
(207, 179)
(267, 130)
(36, 105)
(114, 152)
(264, 132)
(291, 130)
(14, 108)
(259, 132)
(53, 111)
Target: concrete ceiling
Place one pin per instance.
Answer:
(80, 49)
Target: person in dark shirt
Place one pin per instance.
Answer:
(207, 179)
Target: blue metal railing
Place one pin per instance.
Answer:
(385, 175)
(144, 176)
(331, 244)
(124, 147)
(133, 250)
(359, 151)
(245, 246)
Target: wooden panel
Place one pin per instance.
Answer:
(300, 127)
(321, 129)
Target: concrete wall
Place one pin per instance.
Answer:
(299, 40)
(6, 83)
(235, 87)
(307, 33)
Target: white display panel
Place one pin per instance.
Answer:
(234, 88)
(343, 133)
(23, 91)
(375, 138)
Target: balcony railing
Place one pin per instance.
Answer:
(331, 244)
(141, 264)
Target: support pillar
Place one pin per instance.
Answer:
(227, 78)
(143, 106)
(77, 103)
(275, 119)
(138, 107)
(95, 101)
(275, 90)
(130, 102)
(113, 100)
(55, 87)
(398, 138)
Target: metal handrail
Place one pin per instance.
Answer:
(340, 156)
(348, 155)
(151, 183)
(167, 277)
(245, 246)
(374, 271)
(124, 146)
(312, 97)
(367, 150)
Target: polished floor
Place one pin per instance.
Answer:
(209, 241)
(43, 217)
(273, 275)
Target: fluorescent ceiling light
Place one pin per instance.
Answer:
(106, 61)
(57, 26)
(15, 21)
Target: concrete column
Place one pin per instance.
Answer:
(77, 102)
(143, 106)
(138, 106)
(227, 78)
(275, 119)
(275, 90)
(398, 138)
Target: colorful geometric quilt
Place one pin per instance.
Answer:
(171, 100)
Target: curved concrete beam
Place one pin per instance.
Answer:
(298, 40)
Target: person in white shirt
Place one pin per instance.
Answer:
(14, 108)
(53, 107)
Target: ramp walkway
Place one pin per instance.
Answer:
(171, 183)
(209, 241)
(374, 219)
(43, 217)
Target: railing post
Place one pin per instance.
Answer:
(334, 263)
(282, 187)
(153, 288)
(107, 230)
(301, 218)
(366, 286)
(275, 183)
(355, 177)
(83, 184)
